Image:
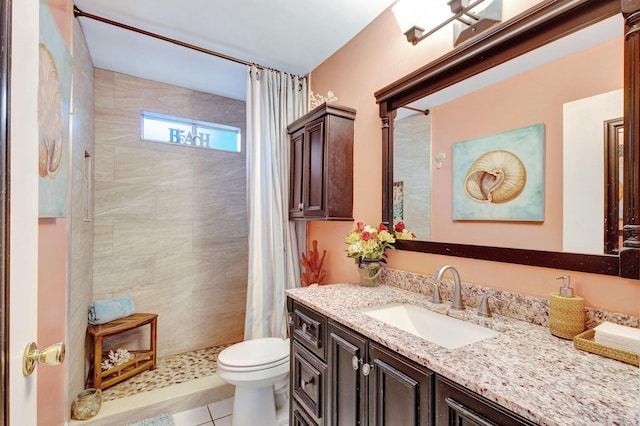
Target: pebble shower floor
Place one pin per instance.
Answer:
(170, 370)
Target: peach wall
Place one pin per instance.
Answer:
(53, 249)
(376, 57)
(52, 316)
(61, 11)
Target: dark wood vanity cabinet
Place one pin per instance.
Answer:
(400, 391)
(321, 167)
(308, 381)
(347, 393)
(458, 406)
(369, 384)
(341, 378)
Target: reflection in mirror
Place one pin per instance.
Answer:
(614, 187)
(573, 73)
(585, 166)
(412, 174)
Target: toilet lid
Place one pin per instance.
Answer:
(262, 352)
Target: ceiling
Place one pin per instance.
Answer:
(294, 36)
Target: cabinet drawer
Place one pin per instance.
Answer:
(458, 405)
(308, 381)
(309, 328)
(299, 417)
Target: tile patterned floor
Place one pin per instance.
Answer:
(216, 414)
(170, 370)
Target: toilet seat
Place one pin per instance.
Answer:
(256, 354)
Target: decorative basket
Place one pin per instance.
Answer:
(584, 341)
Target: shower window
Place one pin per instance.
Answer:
(186, 132)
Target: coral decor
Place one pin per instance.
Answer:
(317, 99)
(313, 264)
(120, 356)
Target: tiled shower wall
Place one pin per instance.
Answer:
(412, 167)
(81, 258)
(170, 221)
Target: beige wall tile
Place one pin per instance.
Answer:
(170, 226)
(125, 201)
(81, 231)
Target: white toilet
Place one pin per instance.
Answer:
(259, 369)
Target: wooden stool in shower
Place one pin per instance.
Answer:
(143, 359)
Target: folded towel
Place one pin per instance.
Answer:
(103, 311)
(618, 336)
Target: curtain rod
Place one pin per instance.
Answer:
(424, 111)
(79, 13)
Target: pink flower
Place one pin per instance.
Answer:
(382, 227)
(360, 226)
(365, 236)
(399, 227)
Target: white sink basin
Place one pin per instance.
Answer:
(442, 330)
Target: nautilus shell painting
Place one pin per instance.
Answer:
(54, 93)
(495, 177)
(50, 120)
(500, 176)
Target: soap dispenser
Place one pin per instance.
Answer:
(566, 311)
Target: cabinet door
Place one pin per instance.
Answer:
(458, 406)
(400, 390)
(297, 167)
(346, 391)
(314, 183)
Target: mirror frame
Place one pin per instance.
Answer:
(5, 62)
(546, 22)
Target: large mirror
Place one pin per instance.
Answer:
(546, 89)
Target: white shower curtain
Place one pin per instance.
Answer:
(274, 99)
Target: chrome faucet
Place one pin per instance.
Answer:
(435, 296)
(456, 303)
(484, 310)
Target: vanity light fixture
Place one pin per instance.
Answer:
(439, 158)
(468, 23)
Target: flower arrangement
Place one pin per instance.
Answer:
(367, 243)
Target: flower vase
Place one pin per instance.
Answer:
(370, 273)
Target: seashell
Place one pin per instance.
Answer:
(50, 116)
(495, 177)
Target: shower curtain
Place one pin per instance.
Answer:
(274, 99)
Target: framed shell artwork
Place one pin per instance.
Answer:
(54, 97)
(500, 177)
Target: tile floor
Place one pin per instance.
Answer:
(216, 414)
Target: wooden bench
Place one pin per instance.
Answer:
(143, 359)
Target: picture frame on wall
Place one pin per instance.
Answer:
(54, 98)
(500, 177)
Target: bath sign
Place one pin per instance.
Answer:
(187, 132)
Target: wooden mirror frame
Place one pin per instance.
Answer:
(546, 22)
(5, 49)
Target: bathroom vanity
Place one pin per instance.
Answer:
(348, 368)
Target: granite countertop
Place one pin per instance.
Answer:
(525, 369)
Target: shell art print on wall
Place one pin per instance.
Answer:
(54, 95)
(495, 177)
(500, 176)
